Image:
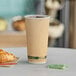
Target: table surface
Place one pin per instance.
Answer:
(55, 56)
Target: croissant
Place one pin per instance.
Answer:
(6, 57)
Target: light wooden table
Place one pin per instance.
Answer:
(55, 56)
(12, 39)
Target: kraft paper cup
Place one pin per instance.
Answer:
(37, 38)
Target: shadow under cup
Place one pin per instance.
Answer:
(37, 37)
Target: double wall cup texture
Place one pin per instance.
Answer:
(37, 37)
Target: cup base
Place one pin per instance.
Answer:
(34, 61)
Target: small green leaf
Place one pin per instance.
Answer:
(57, 66)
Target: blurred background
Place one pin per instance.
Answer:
(63, 21)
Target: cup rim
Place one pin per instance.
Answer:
(34, 16)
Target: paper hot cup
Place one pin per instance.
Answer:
(37, 37)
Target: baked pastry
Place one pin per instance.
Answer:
(6, 57)
(19, 23)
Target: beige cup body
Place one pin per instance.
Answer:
(37, 39)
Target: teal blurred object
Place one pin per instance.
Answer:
(10, 8)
